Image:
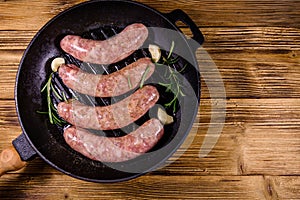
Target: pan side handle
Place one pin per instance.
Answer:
(180, 15)
(13, 158)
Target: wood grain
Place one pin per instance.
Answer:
(205, 13)
(59, 186)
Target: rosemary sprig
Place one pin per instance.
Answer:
(172, 75)
(52, 111)
(174, 86)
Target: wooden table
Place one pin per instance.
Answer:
(256, 47)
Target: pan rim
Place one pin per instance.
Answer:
(17, 101)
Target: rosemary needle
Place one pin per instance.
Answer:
(144, 77)
(55, 92)
(42, 112)
(64, 97)
(49, 99)
(171, 50)
(45, 86)
(129, 82)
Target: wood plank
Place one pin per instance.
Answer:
(7, 81)
(205, 13)
(15, 40)
(270, 136)
(252, 73)
(59, 186)
(283, 187)
(146, 187)
(283, 144)
(278, 39)
(34, 13)
(267, 143)
(253, 62)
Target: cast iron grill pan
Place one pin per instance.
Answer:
(99, 20)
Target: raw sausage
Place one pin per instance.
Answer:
(113, 84)
(107, 51)
(113, 116)
(115, 149)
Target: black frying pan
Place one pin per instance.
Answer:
(41, 138)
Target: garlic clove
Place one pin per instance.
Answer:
(155, 52)
(164, 117)
(56, 62)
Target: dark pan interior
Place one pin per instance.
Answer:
(98, 20)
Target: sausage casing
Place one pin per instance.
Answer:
(114, 149)
(113, 84)
(106, 51)
(110, 117)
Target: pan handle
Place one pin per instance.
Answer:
(10, 160)
(179, 15)
(13, 157)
